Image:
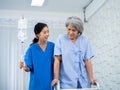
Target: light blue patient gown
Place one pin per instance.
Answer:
(41, 65)
(72, 66)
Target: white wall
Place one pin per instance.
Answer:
(103, 30)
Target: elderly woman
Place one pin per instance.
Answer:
(73, 53)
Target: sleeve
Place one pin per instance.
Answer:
(89, 51)
(57, 49)
(28, 59)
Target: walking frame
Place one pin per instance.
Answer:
(93, 87)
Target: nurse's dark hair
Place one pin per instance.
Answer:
(37, 29)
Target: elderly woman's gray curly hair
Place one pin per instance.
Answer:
(75, 22)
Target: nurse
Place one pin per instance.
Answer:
(39, 59)
(73, 53)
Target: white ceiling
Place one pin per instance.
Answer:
(49, 5)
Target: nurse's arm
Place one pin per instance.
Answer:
(88, 64)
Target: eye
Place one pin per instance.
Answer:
(44, 32)
(68, 29)
(73, 30)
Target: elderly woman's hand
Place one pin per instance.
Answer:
(93, 81)
(54, 82)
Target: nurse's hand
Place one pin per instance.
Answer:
(23, 66)
(54, 82)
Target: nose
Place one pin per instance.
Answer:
(47, 34)
(70, 32)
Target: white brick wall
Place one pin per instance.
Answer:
(103, 30)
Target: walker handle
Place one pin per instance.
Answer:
(57, 86)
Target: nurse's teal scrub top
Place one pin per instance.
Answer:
(41, 66)
(72, 66)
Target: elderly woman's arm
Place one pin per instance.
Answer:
(88, 64)
(56, 69)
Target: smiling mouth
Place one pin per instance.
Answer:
(46, 37)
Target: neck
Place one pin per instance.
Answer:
(73, 40)
(40, 42)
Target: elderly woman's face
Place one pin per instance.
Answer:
(72, 32)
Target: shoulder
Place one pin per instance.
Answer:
(33, 46)
(83, 37)
(50, 43)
